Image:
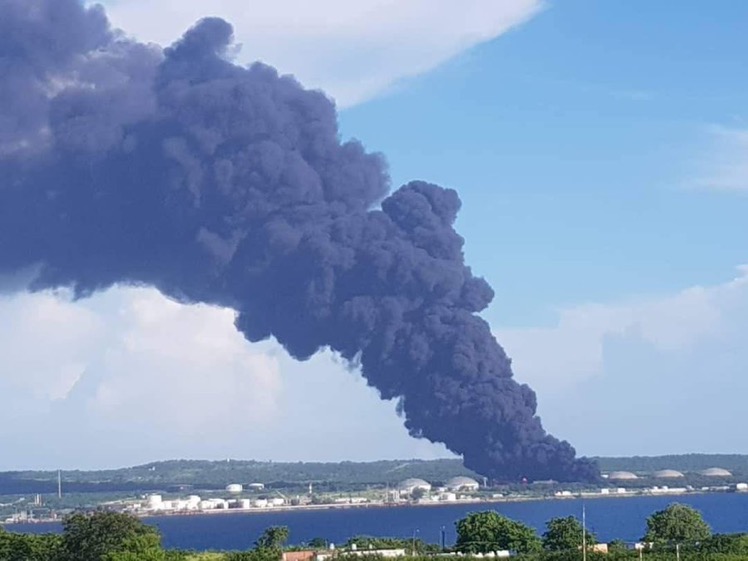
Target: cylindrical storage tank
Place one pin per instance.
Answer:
(234, 488)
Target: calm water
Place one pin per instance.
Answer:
(608, 518)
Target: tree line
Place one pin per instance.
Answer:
(678, 531)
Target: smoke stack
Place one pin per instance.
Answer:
(121, 163)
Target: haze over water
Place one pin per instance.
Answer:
(607, 518)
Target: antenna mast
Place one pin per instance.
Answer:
(584, 533)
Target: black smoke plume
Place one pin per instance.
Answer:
(124, 163)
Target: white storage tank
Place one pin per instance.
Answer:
(463, 484)
(155, 501)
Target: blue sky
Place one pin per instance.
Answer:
(573, 141)
(601, 153)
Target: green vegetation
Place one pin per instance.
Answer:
(272, 539)
(677, 523)
(482, 532)
(564, 534)
(108, 536)
(413, 546)
(19, 547)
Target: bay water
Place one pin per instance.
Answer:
(608, 518)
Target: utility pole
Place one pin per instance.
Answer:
(677, 552)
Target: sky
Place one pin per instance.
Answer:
(601, 154)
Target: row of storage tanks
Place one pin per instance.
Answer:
(193, 502)
(668, 474)
(459, 483)
(455, 484)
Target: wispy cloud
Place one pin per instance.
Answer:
(724, 166)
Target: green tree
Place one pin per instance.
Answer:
(369, 542)
(678, 523)
(243, 556)
(318, 543)
(27, 547)
(109, 536)
(617, 546)
(482, 532)
(730, 544)
(565, 534)
(273, 538)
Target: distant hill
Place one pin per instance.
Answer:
(201, 474)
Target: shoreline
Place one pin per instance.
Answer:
(382, 505)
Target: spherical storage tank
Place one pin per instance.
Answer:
(667, 474)
(410, 485)
(234, 488)
(716, 472)
(462, 484)
(622, 475)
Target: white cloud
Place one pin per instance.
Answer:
(725, 165)
(646, 376)
(44, 342)
(129, 376)
(130, 361)
(352, 50)
(185, 367)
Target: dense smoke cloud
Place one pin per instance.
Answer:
(123, 163)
